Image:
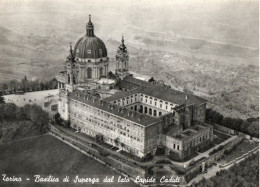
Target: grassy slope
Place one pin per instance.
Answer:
(47, 155)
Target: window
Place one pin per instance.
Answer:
(89, 73)
(100, 52)
(89, 51)
(100, 71)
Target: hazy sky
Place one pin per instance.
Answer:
(228, 21)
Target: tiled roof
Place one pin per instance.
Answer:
(130, 82)
(122, 112)
(121, 94)
(155, 90)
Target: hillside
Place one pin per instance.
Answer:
(210, 48)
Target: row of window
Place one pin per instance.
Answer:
(102, 114)
(198, 140)
(104, 126)
(89, 51)
(152, 101)
(105, 118)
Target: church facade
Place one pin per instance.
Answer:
(134, 115)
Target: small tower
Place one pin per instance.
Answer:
(72, 71)
(90, 28)
(122, 60)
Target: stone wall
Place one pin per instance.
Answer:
(199, 113)
(233, 132)
(194, 170)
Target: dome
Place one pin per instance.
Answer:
(90, 46)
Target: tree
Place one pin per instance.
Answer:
(122, 145)
(116, 141)
(111, 75)
(151, 79)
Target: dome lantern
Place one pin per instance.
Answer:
(122, 47)
(90, 28)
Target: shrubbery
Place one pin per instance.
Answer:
(246, 173)
(249, 126)
(160, 151)
(163, 162)
(216, 150)
(174, 156)
(26, 85)
(179, 171)
(22, 121)
(148, 157)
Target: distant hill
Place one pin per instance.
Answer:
(207, 47)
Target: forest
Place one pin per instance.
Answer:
(249, 126)
(26, 85)
(21, 122)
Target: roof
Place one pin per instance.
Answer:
(130, 82)
(119, 111)
(191, 131)
(106, 81)
(90, 47)
(121, 94)
(155, 90)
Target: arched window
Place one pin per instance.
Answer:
(89, 73)
(135, 107)
(150, 111)
(100, 71)
(68, 78)
(155, 113)
(160, 113)
(141, 108)
(145, 110)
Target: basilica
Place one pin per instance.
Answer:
(133, 115)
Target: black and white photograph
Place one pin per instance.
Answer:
(128, 93)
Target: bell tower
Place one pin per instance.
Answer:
(72, 71)
(122, 60)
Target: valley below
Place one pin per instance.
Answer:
(209, 50)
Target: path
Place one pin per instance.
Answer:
(24, 139)
(211, 172)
